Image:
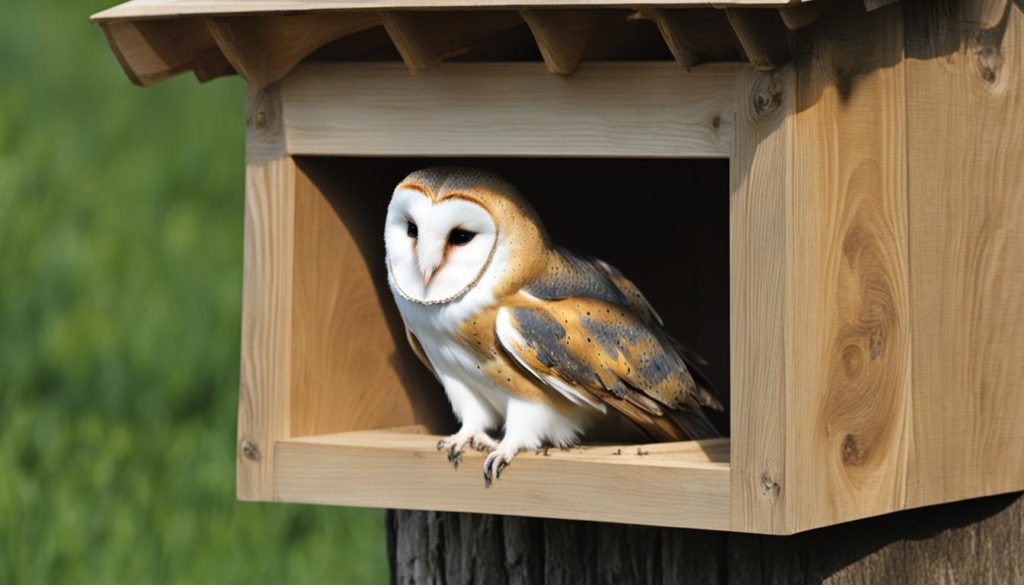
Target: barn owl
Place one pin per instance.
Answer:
(525, 334)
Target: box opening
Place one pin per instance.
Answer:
(664, 223)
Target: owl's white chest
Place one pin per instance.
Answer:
(437, 327)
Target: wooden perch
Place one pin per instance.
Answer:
(264, 49)
(423, 38)
(763, 36)
(562, 35)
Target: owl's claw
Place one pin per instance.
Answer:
(457, 443)
(497, 461)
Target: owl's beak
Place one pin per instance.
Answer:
(426, 277)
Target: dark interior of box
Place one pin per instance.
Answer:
(663, 223)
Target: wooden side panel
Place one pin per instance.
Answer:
(266, 323)
(760, 183)
(677, 484)
(848, 338)
(352, 368)
(965, 83)
(623, 109)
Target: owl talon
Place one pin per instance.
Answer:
(495, 463)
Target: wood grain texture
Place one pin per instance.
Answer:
(801, 15)
(264, 49)
(760, 177)
(848, 340)
(151, 51)
(764, 37)
(562, 35)
(967, 247)
(605, 109)
(694, 36)
(352, 368)
(423, 38)
(977, 541)
(676, 484)
(168, 8)
(263, 409)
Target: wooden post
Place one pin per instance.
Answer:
(975, 541)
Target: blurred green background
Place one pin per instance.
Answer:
(120, 288)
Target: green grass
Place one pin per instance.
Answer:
(120, 287)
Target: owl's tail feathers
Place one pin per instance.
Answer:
(694, 423)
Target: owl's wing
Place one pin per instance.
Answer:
(417, 349)
(588, 338)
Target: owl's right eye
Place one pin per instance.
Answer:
(411, 230)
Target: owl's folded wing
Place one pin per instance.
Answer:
(601, 353)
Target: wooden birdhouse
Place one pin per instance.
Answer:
(824, 198)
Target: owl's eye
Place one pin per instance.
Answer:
(412, 230)
(460, 237)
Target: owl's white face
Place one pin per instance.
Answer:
(436, 252)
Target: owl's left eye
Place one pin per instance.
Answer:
(411, 230)
(460, 237)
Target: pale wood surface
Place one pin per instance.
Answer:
(977, 541)
(562, 35)
(478, 109)
(263, 49)
(762, 34)
(965, 83)
(760, 179)
(423, 38)
(405, 471)
(695, 36)
(151, 51)
(351, 366)
(265, 376)
(165, 8)
(848, 338)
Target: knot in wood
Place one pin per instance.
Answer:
(767, 96)
(250, 450)
(769, 486)
(853, 453)
(261, 119)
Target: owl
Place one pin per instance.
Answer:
(526, 335)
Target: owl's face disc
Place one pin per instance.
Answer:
(437, 250)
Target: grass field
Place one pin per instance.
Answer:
(120, 283)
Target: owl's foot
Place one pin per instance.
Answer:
(458, 442)
(498, 460)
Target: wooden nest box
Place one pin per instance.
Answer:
(835, 188)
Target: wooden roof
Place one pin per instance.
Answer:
(263, 40)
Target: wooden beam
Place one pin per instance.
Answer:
(671, 484)
(764, 37)
(694, 35)
(604, 109)
(423, 38)
(562, 35)
(150, 51)
(801, 15)
(263, 49)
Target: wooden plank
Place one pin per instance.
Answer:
(263, 410)
(562, 35)
(352, 367)
(423, 38)
(764, 37)
(406, 471)
(694, 36)
(605, 109)
(263, 49)
(157, 8)
(967, 248)
(760, 177)
(151, 51)
(848, 339)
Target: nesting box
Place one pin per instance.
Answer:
(826, 198)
